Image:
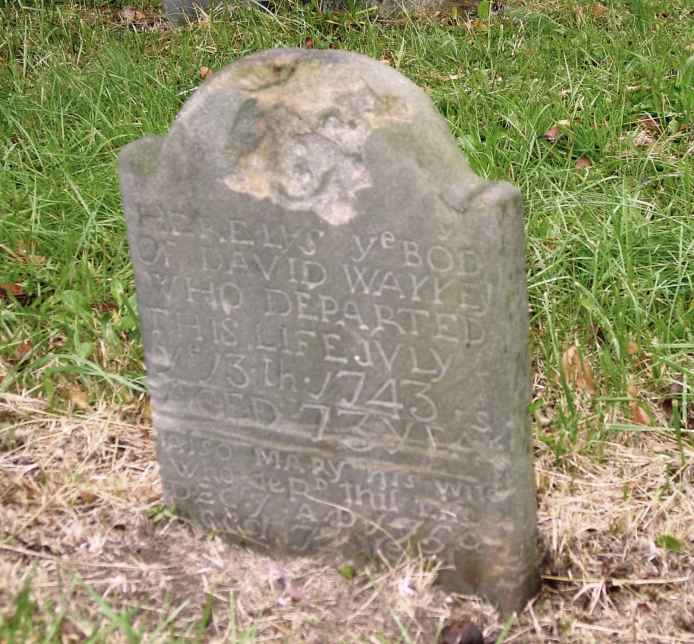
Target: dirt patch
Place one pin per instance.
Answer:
(81, 516)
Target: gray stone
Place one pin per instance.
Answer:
(179, 11)
(334, 315)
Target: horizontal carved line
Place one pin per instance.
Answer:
(355, 461)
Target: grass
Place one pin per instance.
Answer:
(530, 93)
(31, 622)
(610, 247)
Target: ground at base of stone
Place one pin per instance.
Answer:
(83, 523)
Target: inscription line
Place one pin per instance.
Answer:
(288, 431)
(355, 461)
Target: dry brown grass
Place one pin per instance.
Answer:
(80, 499)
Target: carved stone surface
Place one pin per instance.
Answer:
(334, 315)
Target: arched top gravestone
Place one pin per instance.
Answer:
(334, 315)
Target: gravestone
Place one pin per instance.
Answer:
(179, 11)
(334, 315)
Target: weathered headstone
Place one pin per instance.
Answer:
(334, 316)
(178, 11)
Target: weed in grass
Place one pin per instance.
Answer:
(26, 621)
(19, 625)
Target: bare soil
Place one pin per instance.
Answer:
(81, 515)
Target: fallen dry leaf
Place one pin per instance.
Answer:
(461, 633)
(205, 72)
(78, 397)
(105, 307)
(23, 349)
(11, 288)
(69, 632)
(552, 134)
(86, 497)
(637, 413)
(651, 124)
(577, 370)
(632, 348)
(583, 163)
